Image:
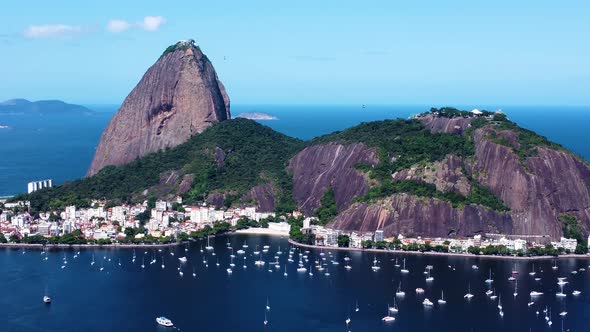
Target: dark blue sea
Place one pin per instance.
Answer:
(123, 296)
(61, 147)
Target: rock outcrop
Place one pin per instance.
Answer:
(262, 196)
(447, 175)
(407, 214)
(446, 125)
(179, 96)
(318, 167)
(537, 190)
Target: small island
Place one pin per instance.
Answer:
(256, 116)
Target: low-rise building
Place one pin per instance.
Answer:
(282, 227)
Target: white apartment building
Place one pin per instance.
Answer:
(118, 214)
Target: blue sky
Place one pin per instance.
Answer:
(311, 52)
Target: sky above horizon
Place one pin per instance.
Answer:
(306, 52)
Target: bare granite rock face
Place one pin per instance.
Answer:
(537, 190)
(407, 214)
(263, 196)
(179, 96)
(446, 125)
(318, 167)
(447, 175)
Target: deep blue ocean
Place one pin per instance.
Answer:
(61, 147)
(127, 297)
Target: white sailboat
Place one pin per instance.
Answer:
(394, 309)
(208, 247)
(493, 296)
(489, 280)
(429, 278)
(356, 308)
(285, 274)
(404, 270)
(515, 288)
(442, 298)
(375, 267)
(468, 296)
(400, 292)
(388, 318)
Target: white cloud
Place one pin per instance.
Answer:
(51, 31)
(152, 23)
(116, 26)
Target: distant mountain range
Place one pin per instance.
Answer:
(42, 107)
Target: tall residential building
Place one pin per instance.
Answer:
(118, 214)
(38, 185)
(70, 212)
(161, 205)
(379, 235)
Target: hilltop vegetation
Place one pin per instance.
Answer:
(254, 154)
(406, 143)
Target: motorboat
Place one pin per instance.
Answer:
(164, 321)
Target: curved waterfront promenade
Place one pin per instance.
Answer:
(251, 231)
(433, 253)
(88, 245)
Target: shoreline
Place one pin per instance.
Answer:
(83, 246)
(248, 231)
(432, 253)
(261, 231)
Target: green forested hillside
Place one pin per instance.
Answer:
(255, 154)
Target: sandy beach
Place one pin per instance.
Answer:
(261, 231)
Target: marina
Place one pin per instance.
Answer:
(308, 291)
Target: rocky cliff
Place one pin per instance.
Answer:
(408, 214)
(537, 181)
(319, 167)
(179, 96)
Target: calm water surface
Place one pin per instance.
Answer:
(129, 298)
